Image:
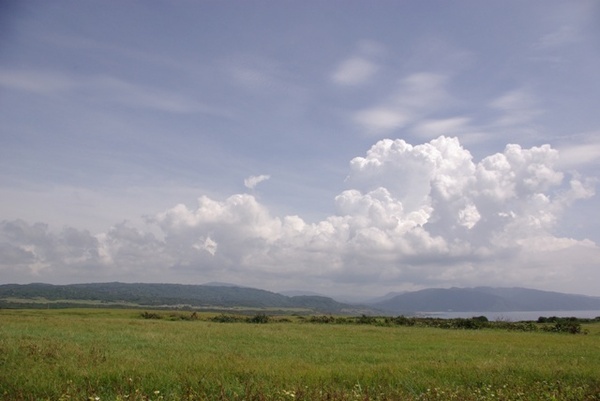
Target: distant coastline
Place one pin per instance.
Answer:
(514, 316)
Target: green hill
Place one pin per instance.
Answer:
(166, 295)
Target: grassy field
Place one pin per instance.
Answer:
(104, 354)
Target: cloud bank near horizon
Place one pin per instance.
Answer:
(413, 216)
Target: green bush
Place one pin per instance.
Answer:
(364, 319)
(322, 319)
(403, 321)
(223, 318)
(183, 316)
(564, 326)
(259, 318)
(151, 315)
(470, 324)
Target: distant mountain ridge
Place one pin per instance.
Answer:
(297, 293)
(212, 295)
(485, 299)
(225, 295)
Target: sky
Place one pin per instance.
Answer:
(350, 148)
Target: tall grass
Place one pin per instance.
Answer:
(117, 355)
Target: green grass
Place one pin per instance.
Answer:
(75, 354)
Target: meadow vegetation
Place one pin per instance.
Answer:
(108, 354)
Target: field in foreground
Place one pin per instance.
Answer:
(107, 354)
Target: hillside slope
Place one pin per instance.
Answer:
(485, 299)
(156, 295)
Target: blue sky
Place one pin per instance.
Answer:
(342, 147)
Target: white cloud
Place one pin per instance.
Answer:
(565, 35)
(359, 68)
(354, 71)
(578, 155)
(252, 181)
(206, 244)
(417, 96)
(469, 216)
(518, 107)
(262, 75)
(382, 119)
(106, 89)
(446, 126)
(414, 215)
(37, 82)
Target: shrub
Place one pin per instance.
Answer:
(403, 321)
(321, 319)
(183, 316)
(259, 318)
(364, 319)
(525, 327)
(223, 318)
(565, 326)
(471, 324)
(151, 315)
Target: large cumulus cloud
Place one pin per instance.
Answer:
(411, 216)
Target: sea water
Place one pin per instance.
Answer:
(514, 316)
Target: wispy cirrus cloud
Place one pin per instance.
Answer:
(517, 107)
(563, 36)
(105, 89)
(354, 71)
(573, 155)
(446, 126)
(359, 68)
(382, 119)
(38, 82)
(416, 96)
(422, 105)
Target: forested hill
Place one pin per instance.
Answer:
(156, 295)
